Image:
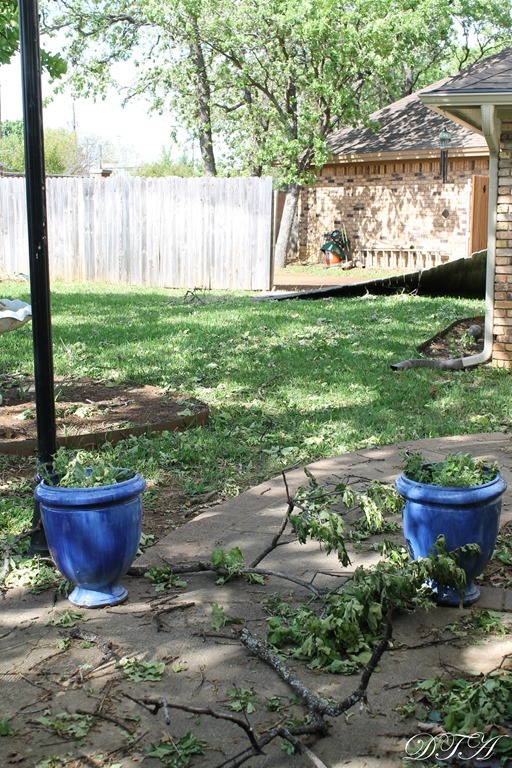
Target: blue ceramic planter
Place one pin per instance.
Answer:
(93, 535)
(468, 515)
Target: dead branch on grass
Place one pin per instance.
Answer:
(265, 384)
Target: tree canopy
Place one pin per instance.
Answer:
(9, 30)
(54, 64)
(64, 153)
(268, 81)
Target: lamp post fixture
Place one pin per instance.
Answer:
(445, 138)
(38, 246)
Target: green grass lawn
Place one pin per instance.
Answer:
(287, 382)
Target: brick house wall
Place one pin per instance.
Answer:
(391, 204)
(502, 328)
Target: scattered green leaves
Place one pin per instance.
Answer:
(274, 704)
(467, 705)
(68, 618)
(180, 666)
(242, 700)
(234, 564)
(32, 573)
(177, 753)
(478, 621)
(139, 671)
(499, 570)
(163, 578)
(232, 561)
(220, 618)
(147, 540)
(69, 725)
(5, 727)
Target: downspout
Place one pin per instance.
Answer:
(491, 126)
(491, 130)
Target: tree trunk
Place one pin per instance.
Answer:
(286, 226)
(203, 112)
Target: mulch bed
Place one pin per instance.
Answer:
(89, 412)
(454, 340)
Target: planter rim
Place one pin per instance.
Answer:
(458, 494)
(97, 494)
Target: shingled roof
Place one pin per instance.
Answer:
(485, 85)
(406, 125)
(491, 76)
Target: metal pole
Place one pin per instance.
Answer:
(444, 165)
(38, 244)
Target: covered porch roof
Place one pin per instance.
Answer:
(479, 97)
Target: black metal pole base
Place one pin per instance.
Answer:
(38, 245)
(38, 543)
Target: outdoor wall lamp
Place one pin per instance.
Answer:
(445, 138)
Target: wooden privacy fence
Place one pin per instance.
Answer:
(172, 232)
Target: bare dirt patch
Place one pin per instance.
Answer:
(86, 406)
(455, 340)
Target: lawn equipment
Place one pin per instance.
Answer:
(336, 247)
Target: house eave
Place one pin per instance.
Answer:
(393, 157)
(466, 107)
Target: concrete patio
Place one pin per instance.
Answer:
(45, 667)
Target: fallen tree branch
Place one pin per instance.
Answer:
(201, 566)
(317, 708)
(313, 702)
(273, 544)
(154, 705)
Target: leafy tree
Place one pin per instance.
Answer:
(8, 29)
(167, 167)
(164, 41)
(63, 153)
(12, 156)
(54, 64)
(273, 78)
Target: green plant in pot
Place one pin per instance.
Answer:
(92, 517)
(458, 498)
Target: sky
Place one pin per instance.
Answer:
(144, 135)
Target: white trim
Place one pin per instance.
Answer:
(465, 98)
(393, 157)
